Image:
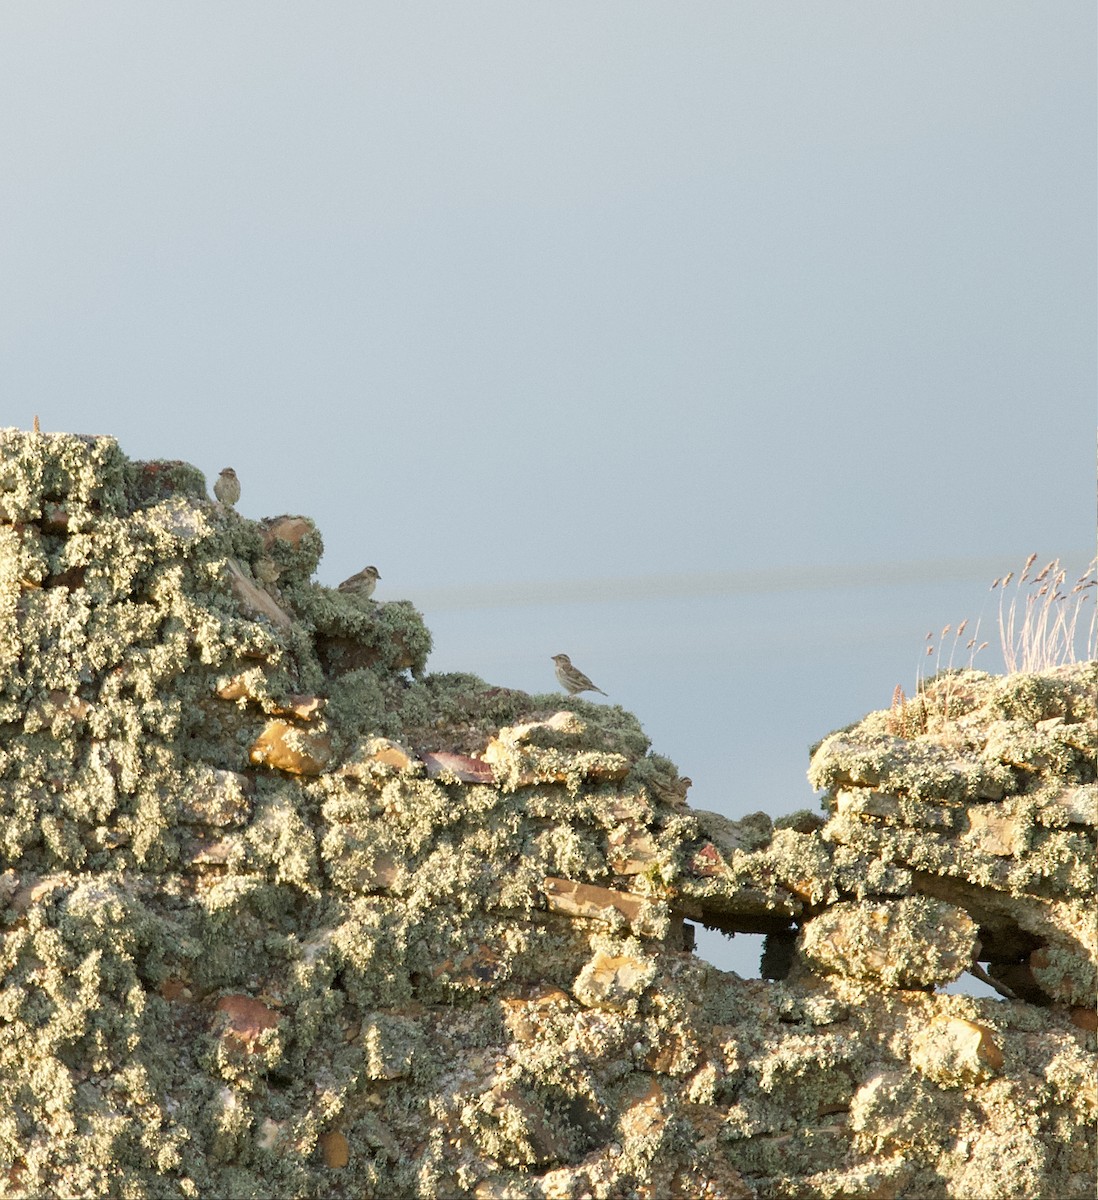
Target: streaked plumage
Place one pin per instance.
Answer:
(571, 678)
(362, 583)
(673, 792)
(227, 488)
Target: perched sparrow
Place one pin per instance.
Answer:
(362, 584)
(227, 488)
(674, 792)
(572, 680)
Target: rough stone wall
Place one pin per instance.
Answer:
(284, 915)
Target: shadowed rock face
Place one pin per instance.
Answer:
(284, 915)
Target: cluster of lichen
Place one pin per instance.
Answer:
(285, 915)
(151, 868)
(1001, 796)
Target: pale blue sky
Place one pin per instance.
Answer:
(503, 293)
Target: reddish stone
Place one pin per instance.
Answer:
(305, 708)
(298, 751)
(389, 754)
(287, 529)
(708, 862)
(247, 1017)
(647, 1115)
(235, 689)
(212, 854)
(460, 766)
(524, 1014)
(175, 989)
(612, 771)
(335, 1149)
(1084, 1018)
(599, 903)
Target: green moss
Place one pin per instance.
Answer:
(150, 483)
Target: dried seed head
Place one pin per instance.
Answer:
(981, 646)
(1007, 577)
(930, 649)
(962, 627)
(1029, 563)
(995, 584)
(1044, 571)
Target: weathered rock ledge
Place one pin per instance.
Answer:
(285, 915)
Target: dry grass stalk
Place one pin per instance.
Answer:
(938, 700)
(1042, 627)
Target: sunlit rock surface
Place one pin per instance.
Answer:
(285, 915)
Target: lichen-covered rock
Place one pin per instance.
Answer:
(289, 747)
(985, 799)
(953, 1051)
(613, 981)
(283, 914)
(254, 599)
(910, 942)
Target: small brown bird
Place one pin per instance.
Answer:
(673, 792)
(362, 584)
(572, 679)
(227, 488)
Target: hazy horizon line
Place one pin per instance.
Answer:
(616, 588)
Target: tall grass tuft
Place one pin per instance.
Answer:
(1042, 625)
(940, 690)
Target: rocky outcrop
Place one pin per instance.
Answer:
(286, 915)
